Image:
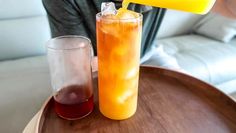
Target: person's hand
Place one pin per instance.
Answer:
(225, 8)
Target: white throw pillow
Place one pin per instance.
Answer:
(217, 27)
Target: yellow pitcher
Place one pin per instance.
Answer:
(193, 6)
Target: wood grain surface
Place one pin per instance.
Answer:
(168, 102)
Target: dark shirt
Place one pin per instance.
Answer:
(78, 17)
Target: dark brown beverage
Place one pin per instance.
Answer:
(73, 102)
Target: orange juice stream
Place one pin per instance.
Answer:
(194, 6)
(118, 42)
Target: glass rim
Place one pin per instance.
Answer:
(139, 17)
(48, 43)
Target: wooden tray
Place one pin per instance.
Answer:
(169, 102)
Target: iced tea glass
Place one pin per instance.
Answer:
(69, 59)
(118, 42)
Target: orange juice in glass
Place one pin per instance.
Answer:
(118, 42)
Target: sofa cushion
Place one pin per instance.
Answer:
(228, 87)
(23, 37)
(10, 9)
(158, 57)
(24, 86)
(177, 23)
(216, 27)
(24, 28)
(207, 59)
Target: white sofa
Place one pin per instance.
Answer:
(24, 74)
(208, 59)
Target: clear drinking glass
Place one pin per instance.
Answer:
(118, 42)
(69, 59)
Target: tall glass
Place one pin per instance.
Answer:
(118, 42)
(69, 59)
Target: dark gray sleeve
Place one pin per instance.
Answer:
(152, 18)
(64, 18)
(73, 17)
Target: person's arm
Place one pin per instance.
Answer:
(64, 19)
(226, 8)
(72, 17)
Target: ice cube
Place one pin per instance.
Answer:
(132, 73)
(127, 91)
(127, 94)
(126, 14)
(108, 8)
